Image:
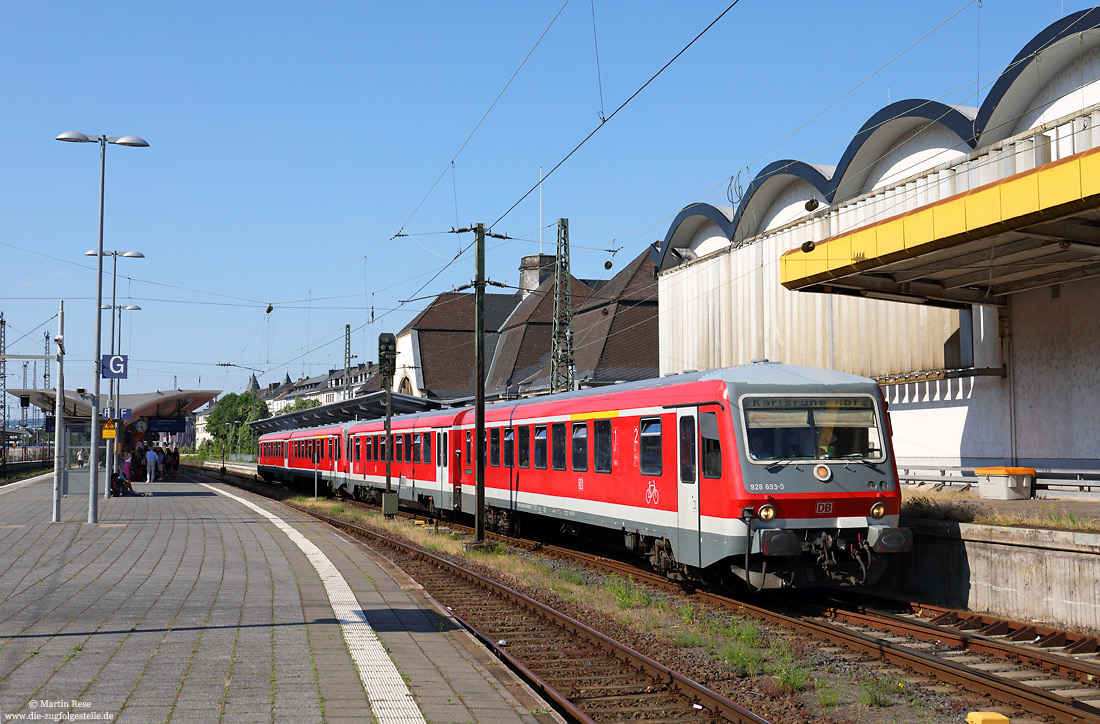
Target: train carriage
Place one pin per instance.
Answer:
(778, 475)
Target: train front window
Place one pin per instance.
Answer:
(812, 428)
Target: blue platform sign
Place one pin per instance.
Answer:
(126, 413)
(113, 367)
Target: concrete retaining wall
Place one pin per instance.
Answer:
(1025, 574)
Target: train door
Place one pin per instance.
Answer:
(440, 467)
(687, 545)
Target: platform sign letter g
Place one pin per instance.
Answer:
(113, 366)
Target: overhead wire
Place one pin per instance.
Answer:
(614, 113)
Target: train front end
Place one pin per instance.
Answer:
(820, 498)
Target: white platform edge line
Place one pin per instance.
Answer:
(390, 698)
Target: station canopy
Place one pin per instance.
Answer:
(172, 403)
(1031, 230)
(366, 407)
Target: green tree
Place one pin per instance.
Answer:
(299, 404)
(228, 422)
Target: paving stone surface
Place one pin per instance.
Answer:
(186, 606)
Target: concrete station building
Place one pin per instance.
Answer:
(952, 253)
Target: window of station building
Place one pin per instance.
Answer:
(557, 446)
(580, 446)
(650, 446)
(408, 447)
(494, 447)
(427, 448)
(417, 437)
(601, 446)
(509, 453)
(540, 447)
(523, 446)
(711, 458)
(687, 449)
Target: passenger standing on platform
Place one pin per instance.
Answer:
(162, 471)
(80, 458)
(175, 462)
(151, 465)
(126, 460)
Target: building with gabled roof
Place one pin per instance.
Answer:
(615, 331)
(435, 351)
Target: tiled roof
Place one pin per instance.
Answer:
(453, 311)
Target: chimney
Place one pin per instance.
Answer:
(533, 271)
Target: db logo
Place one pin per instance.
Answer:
(824, 508)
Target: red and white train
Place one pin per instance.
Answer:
(779, 475)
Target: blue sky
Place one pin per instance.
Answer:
(290, 141)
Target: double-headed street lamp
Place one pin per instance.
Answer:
(138, 142)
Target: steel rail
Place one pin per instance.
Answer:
(1084, 671)
(1030, 698)
(708, 699)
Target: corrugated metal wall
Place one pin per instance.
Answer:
(729, 308)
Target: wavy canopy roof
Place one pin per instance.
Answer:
(1009, 97)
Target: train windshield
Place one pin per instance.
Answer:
(811, 428)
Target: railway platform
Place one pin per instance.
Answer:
(201, 602)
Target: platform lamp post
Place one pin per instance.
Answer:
(112, 446)
(102, 140)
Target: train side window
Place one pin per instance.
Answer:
(358, 443)
(557, 446)
(408, 447)
(523, 451)
(398, 447)
(382, 449)
(494, 447)
(711, 458)
(416, 447)
(368, 447)
(580, 446)
(650, 446)
(509, 452)
(540, 447)
(444, 455)
(687, 449)
(427, 448)
(469, 448)
(601, 446)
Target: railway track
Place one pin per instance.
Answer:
(986, 656)
(1010, 670)
(588, 676)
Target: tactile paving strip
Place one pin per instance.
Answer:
(390, 699)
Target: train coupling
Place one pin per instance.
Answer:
(883, 539)
(777, 542)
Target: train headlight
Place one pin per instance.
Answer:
(878, 510)
(871, 485)
(823, 473)
(766, 512)
(882, 485)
